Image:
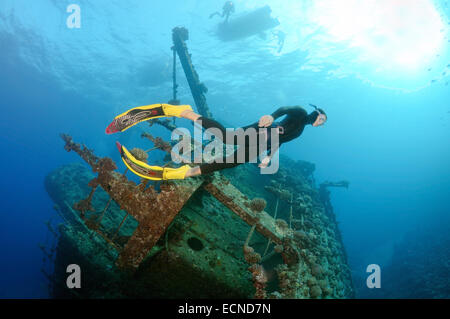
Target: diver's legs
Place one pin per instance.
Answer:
(249, 150)
(204, 122)
(208, 168)
(193, 171)
(190, 115)
(233, 160)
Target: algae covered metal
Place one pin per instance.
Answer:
(200, 245)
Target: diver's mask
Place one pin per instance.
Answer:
(321, 119)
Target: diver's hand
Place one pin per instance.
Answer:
(264, 162)
(265, 121)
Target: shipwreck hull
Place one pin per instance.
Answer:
(200, 255)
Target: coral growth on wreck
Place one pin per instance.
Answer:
(139, 154)
(258, 204)
(293, 249)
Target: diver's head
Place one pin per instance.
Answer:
(318, 117)
(228, 7)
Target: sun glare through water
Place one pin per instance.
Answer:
(394, 33)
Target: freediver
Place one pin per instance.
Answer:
(281, 36)
(227, 10)
(288, 129)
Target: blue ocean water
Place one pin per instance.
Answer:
(379, 70)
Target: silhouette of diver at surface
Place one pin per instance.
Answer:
(281, 36)
(228, 8)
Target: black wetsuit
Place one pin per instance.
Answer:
(291, 127)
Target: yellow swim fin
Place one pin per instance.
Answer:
(139, 114)
(175, 173)
(155, 173)
(175, 110)
(140, 168)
